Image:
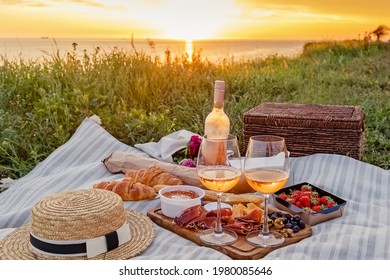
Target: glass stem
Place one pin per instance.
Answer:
(218, 227)
(265, 229)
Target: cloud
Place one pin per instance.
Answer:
(52, 3)
(324, 7)
(270, 13)
(25, 3)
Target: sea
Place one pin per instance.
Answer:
(213, 50)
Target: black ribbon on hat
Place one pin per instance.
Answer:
(72, 249)
(112, 240)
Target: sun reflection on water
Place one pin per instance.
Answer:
(189, 49)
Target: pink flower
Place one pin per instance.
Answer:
(188, 162)
(187, 156)
(193, 146)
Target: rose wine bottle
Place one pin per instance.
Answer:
(217, 126)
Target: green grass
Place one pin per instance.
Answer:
(141, 98)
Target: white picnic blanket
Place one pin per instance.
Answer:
(167, 145)
(361, 233)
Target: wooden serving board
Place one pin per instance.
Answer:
(240, 250)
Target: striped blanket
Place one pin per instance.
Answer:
(361, 233)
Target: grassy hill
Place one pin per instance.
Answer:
(141, 98)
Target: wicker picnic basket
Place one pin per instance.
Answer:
(309, 128)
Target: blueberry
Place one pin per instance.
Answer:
(301, 224)
(293, 224)
(296, 228)
(288, 225)
(287, 216)
(297, 218)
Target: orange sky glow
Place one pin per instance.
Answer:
(190, 20)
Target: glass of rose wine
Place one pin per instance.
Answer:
(219, 169)
(266, 170)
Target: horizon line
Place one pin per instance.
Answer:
(175, 40)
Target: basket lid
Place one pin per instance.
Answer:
(306, 115)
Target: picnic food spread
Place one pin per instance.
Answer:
(242, 218)
(245, 214)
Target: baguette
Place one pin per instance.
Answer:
(229, 198)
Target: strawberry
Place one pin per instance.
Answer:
(306, 188)
(314, 201)
(298, 204)
(316, 208)
(331, 204)
(310, 193)
(296, 194)
(315, 194)
(283, 196)
(292, 200)
(324, 200)
(305, 200)
(307, 210)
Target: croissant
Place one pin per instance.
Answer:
(127, 190)
(152, 176)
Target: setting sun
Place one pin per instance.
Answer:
(193, 20)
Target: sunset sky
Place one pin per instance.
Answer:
(193, 19)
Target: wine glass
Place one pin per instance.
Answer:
(266, 170)
(219, 169)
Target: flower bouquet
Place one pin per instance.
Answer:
(187, 156)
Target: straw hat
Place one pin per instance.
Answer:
(80, 224)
